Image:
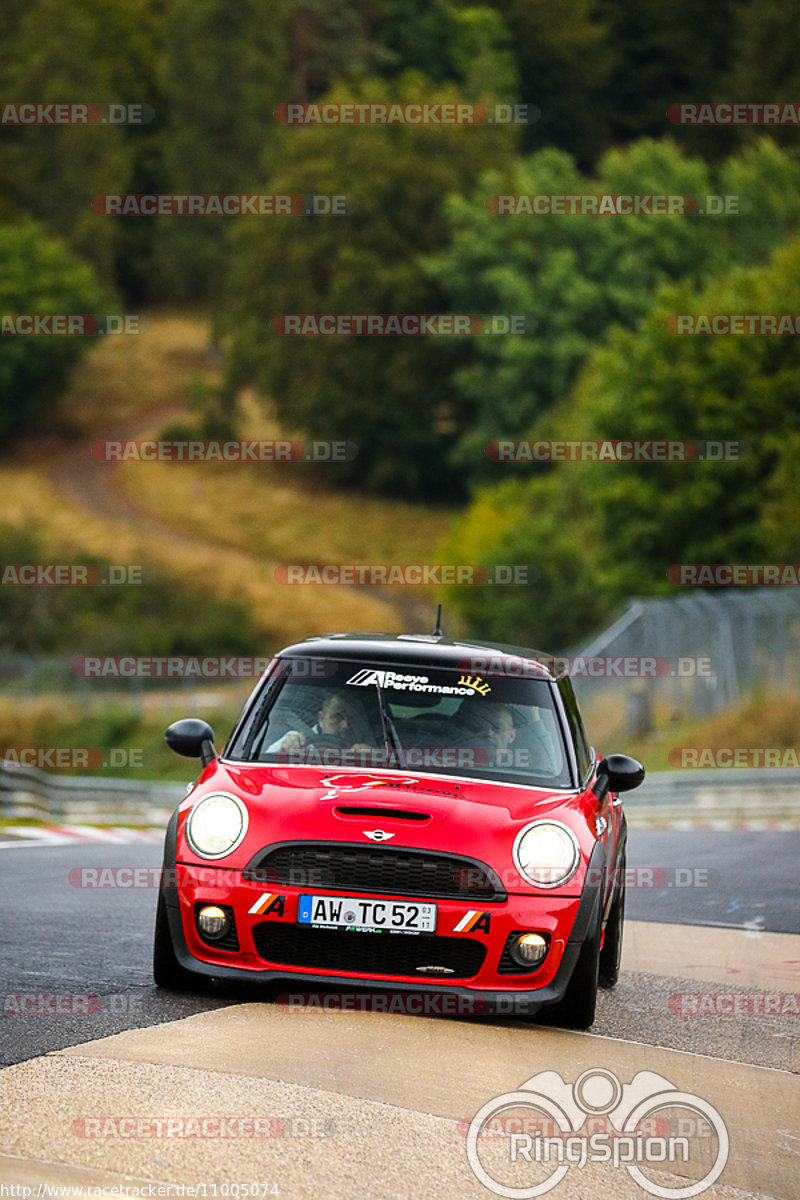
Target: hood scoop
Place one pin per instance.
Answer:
(359, 811)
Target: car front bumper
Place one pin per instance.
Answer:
(567, 921)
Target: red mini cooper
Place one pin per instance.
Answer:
(401, 812)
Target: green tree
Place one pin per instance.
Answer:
(564, 62)
(389, 395)
(578, 276)
(481, 50)
(446, 40)
(600, 532)
(228, 67)
(665, 54)
(764, 62)
(38, 274)
(90, 51)
(543, 525)
(574, 275)
(735, 388)
(415, 36)
(330, 40)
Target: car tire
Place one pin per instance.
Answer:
(167, 971)
(576, 1010)
(611, 954)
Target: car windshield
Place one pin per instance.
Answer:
(430, 719)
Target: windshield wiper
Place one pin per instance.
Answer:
(390, 736)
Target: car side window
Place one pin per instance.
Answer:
(583, 750)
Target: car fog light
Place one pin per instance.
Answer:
(213, 921)
(528, 949)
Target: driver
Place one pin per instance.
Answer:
(336, 718)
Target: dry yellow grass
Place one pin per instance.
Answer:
(114, 723)
(221, 529)
(279, 613)
(128, 374)
(770, 720)
(276, 512)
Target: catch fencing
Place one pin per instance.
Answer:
(712, 651)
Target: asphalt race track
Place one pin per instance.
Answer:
(709, 914)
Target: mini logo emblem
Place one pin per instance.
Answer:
(378, 835)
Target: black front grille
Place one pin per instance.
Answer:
(345, 867)
(367, 953)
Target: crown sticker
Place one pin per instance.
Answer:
(476, 684)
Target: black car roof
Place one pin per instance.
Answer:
(413, 648)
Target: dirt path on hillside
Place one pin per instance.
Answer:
(98, 487)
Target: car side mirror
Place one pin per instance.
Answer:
(193, 739)
(618, 773)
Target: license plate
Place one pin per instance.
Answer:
(375, 916)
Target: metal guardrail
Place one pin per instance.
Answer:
(750, 783)
(28, 793)
(764, 794)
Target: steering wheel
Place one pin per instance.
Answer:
(325, 740)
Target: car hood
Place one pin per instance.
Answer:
(451, 814)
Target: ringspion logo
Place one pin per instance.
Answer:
(637, 1134)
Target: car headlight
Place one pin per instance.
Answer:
(216, 825)
(546, 853)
